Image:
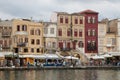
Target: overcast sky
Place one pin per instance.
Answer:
(42, 9)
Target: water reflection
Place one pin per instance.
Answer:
(60, 75)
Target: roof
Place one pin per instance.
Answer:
(88, 11)
(62, 13)
(77, 14)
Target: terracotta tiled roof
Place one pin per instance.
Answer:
(88, 11)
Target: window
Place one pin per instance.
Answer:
(61, 19)
(76, 20)
(89, 32)
(113, 41)
(80, 44)
(10, 42)
(54, 45)
(81, 21)
(37, 41)
(5, 42)
(93, 32)
(109, 41)
(26, 40)
(1, 41)
(93, 19)
(80, 33)
(52, 31)
(75, 32)
(32, 49)
(32, 41)
(21, 40)
(38, 50)
(32, 32)
(1, 28)
(25, 50)
(61, 45)
(45, 30)
(18, 27)
(66, 20)
(60, 32)
(91, 45)
(5, 27)
(24, 27)
(10, 27)
(37, 32)
(68, 32)
(89, 19)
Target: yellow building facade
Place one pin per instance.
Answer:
(27, 37)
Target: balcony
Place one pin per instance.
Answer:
(6, 34)
(6, 47)
(22, 44)
(110, 45)
(21, 33)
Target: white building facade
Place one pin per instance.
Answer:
(101, 37)
(50, 35)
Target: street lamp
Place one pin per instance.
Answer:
(13, 53)
(71, 38)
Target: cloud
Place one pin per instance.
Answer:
(42, 9)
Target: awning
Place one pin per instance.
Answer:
(70, 57)
(115, 53)
(1, 55)
(7, 54)
(52, 56)
(41, 56)
(32, 56)
(107, 55)
(97, 57)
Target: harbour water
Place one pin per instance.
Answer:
(60, 75)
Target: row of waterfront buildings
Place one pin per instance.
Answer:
(77, 31)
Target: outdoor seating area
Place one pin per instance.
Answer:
(43, 60)
(56, 59)
(107, 59)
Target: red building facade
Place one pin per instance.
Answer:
(91, 31)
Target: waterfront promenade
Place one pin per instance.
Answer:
(63, 68)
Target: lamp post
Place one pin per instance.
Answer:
(13, 53)
(71, 38)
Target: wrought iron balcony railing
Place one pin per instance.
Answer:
(21, 44)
